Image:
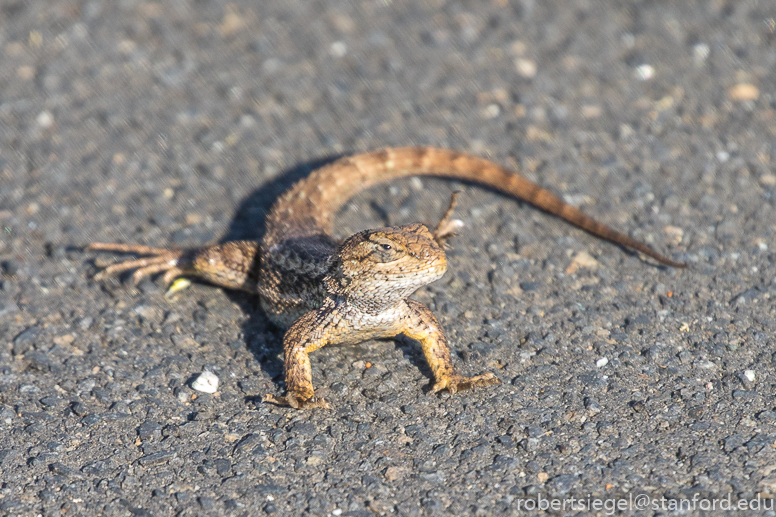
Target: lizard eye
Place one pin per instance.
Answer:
(385, 251)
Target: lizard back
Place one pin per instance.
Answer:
(308, 208)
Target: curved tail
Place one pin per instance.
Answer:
(310, 205)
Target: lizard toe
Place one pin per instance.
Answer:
(455, 383)
(296, 401)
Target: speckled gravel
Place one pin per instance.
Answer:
(179, 122)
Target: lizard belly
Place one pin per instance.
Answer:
(363, 326)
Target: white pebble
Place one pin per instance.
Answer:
(491, 111)
(247, 121)
(626, 131)
(206, 382)
(700, 52)
(526, 67)
(45, 119)
(749, 374)
(644, 72)
(602, 362)
(723, 156)
(338, 49)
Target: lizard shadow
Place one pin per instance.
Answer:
(412, 351)
(248, 220)
(262, 337)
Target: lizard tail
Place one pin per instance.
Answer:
(311, 204)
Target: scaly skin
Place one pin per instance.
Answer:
(359, 290)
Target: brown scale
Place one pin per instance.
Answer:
(346, 294)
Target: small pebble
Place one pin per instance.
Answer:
(768, 179)
(526, 67)
(700, 53)
(744, 92)
(25, 73)
(9, 267)
(338, 49)
(582, 260)
(644, 72)
(206, 503)
(591, 111)
(206, 382)
(45, 119)
(749, 374)
(491, 111)
(675, 233)
(602, 362)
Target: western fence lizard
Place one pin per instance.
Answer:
(327, 293)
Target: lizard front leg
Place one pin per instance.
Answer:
(421, 325)
(307, 334)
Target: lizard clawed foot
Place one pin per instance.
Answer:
(455, 382)
(297, 401)
(447, 226)
(159, 260)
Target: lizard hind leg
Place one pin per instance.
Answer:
(159, 260)
(233, 264)
(447, 226)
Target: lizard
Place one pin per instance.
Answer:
(327, 293)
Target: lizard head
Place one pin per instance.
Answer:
(377, 268)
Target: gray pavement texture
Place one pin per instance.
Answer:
(177, 123)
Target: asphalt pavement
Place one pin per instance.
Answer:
(625, 385)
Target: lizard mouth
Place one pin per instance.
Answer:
(423, 275)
